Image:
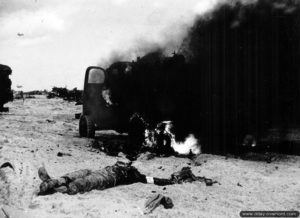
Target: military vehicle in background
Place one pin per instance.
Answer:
(6, 93)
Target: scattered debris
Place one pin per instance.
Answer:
(95, 144)
(197, 164)
(7, 164)
(208, 182)
(186, 175)
(113, 148)
(156, 200)
(60, 154)
(110, 146)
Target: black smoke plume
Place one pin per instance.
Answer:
(238, 73)
(245, 64)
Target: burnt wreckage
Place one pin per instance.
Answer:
(132, 96)
(236, 77)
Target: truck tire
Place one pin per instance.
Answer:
(86, 127)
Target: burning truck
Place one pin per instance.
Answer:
(235, 81)
(132, 96)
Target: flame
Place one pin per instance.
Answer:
(106, 94)
(190, 144)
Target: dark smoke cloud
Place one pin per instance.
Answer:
(238, 75)
(140, 48)
(245, 59)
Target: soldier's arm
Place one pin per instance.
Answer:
(139, 177)
(159, 181)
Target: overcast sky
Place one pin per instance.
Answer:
(51, 42)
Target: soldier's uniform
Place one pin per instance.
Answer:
(85, 180)
(118, 174)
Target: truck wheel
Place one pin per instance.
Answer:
(86, 127)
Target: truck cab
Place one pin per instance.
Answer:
(95, 112)
(99, 110)
(112, 96)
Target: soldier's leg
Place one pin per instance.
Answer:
(76, 175)
(50, 185)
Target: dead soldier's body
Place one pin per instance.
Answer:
(118, 174)
(86, 180)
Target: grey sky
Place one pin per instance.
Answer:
(62, 38)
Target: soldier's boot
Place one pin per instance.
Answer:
(48, 186)
(155, 201)
(44, 176)
(53, 185)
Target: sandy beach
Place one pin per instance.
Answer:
(33, 132)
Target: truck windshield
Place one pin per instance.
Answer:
(96, 76)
